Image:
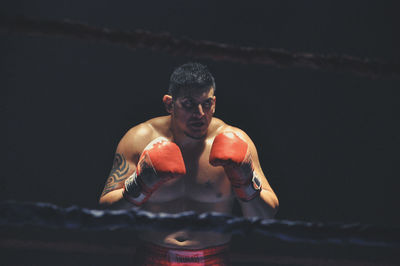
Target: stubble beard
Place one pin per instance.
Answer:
(195, 137)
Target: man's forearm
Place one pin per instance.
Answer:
(114, 200)
(264, 206)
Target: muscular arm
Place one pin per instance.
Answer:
(228, 149)
(112, 192)
(124, 165)
(267, 204)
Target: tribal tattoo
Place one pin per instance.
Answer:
(117, 175)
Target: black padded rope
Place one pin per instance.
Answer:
(203, 49)
(46, 215)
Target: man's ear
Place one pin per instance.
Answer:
(167, 100)
(215, 101)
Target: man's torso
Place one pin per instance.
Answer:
(204, 188)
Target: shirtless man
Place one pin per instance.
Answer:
(188, 160)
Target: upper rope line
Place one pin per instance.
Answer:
(46, 215)
(202, 49)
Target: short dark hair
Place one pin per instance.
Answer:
(190, 76)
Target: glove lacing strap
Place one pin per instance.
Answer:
(133, 191)
(249, 190)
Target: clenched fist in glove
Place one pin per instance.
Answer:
(232, 152)
(159, 162)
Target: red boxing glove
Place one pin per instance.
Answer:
(232, 152)
(159, 162)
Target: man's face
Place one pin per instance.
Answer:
(193, 110)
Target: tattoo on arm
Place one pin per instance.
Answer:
(117, 175)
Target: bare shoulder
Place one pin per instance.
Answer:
(224, 127)
(160, 125)
(216, 126)
(137, 137)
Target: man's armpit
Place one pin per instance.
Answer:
(118, 174)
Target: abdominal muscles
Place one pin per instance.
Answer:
(187, 238)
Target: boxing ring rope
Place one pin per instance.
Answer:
(46, 215)
(49, 216)
(202, 49)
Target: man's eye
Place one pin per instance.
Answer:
(187, 104)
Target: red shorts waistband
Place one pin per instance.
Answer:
(159, 255)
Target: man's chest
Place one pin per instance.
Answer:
(202, 182)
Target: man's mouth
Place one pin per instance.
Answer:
(196, 124)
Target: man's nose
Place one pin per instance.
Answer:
(199, 111)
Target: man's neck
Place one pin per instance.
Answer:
(183, 140)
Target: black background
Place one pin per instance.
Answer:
(326, 140)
